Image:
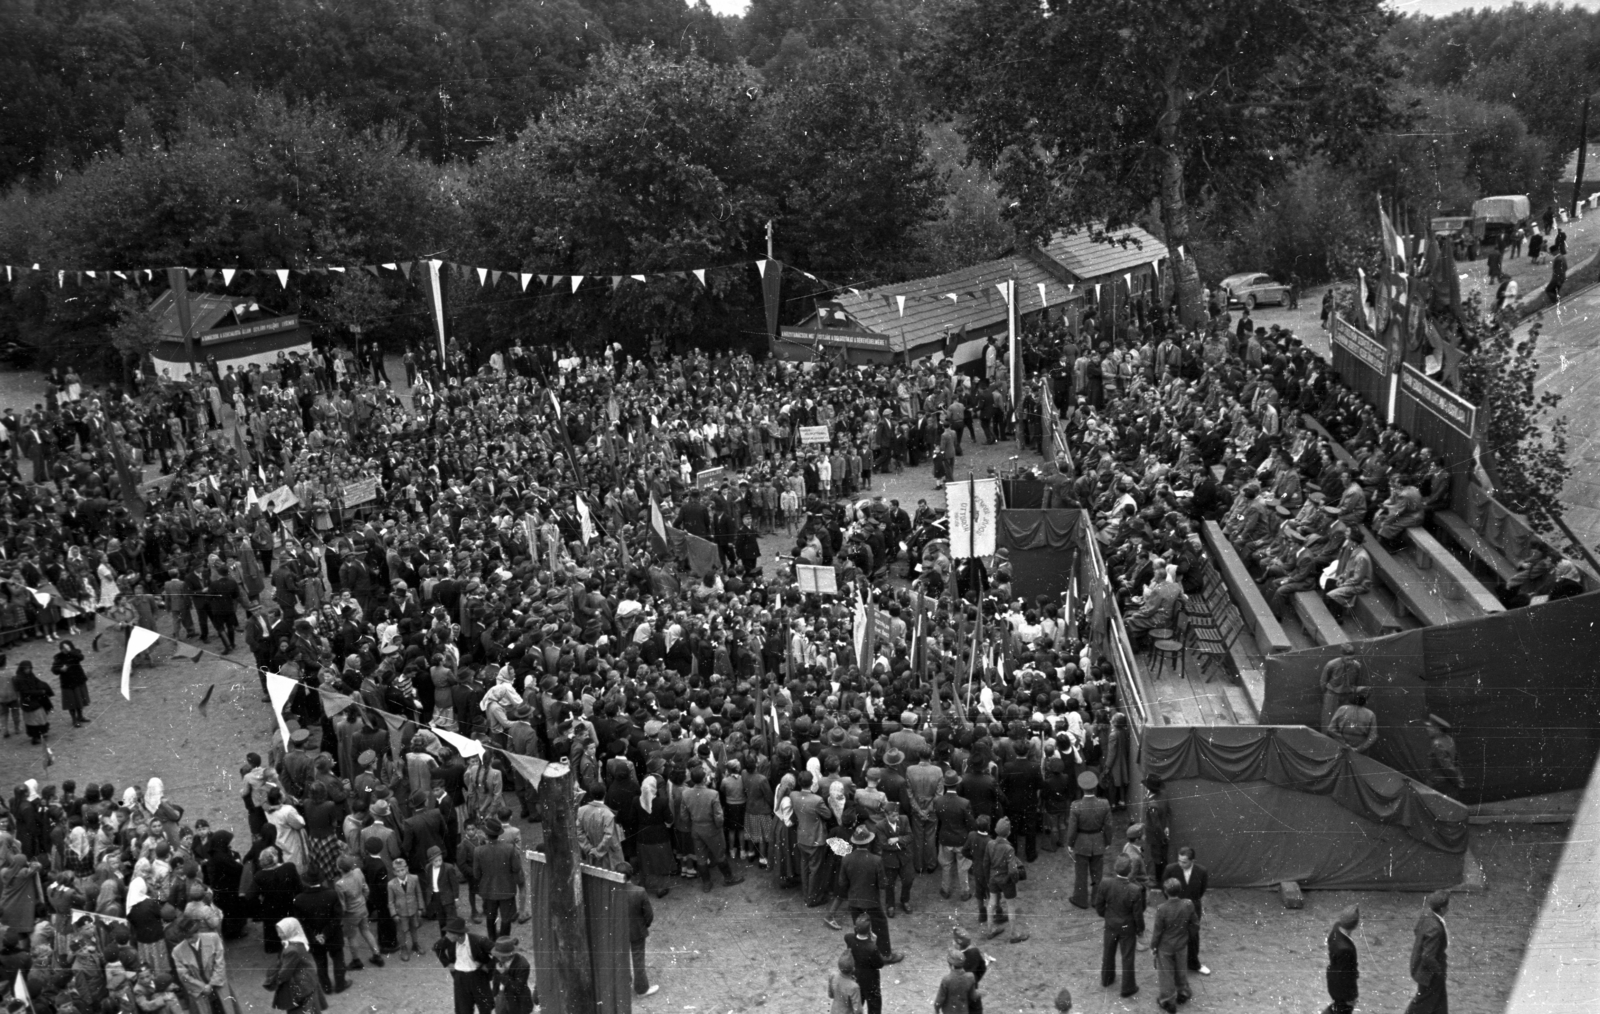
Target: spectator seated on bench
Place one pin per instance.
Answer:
(1309, 561)
(1354, 576)
(1535, 576)
(1404, 509)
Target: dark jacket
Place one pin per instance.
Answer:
(1342, 970)
(511, 987)
(1428, 958)
(445, 950)
(869, 963)
(293, 982)
(1121, 903)
(862, 875)
(640, 914)
(955, 819)
(1194, 889)
(1175, 920)
(499, 870)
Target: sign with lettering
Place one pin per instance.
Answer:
(816, 580)
(360, 491)
(837, 339)
(709, 476)
(815, 434)
(279, 500)
(1366, 349)
(1457, 412)
(250, 330)
(973, 507)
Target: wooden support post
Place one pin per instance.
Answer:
(569, 921)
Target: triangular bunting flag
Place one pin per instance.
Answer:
(338, 269)
(227, 276)
(952, 297)
(525, 279)
(371, 269)
(1042, 300)
(283, 277)
(637, 278)
(902, 301)
(544, 279)
(483, 275)
(761, 267)
(280, 688)
(494, 277)
(208, 274)
(464, 746)
(405, 269)
(1004, 290)
(616, 280)
(90, 274)
(390, 266)
(700, 273)
(577, 280)
(1127, 277)
(1097, 292)
(139, 640)
(531, 768)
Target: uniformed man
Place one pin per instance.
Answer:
(1157, 821)
(1356, 726)
(1343, 677)
(703, 808)
(1088, 836)
(1443, 772)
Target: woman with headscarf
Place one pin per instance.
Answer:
(108, 578)
(144, 921)
(653, 837)
(77, 852)
(161, 812)
(276, 885)
(293, 979)
(223, 872)
(68, 665)
(785, 843)
(34, 695)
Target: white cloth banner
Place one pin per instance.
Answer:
(973, 508)
(464, 745)
(280, 688)
(139, 640)
(585, 520)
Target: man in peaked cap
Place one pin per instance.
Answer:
(1444, 773)
(1088, 836)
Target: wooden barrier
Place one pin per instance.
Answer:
(1252, 604)
(1410, 591)
(1452, 573)
(1317, 620)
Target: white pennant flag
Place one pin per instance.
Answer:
(1180, 251)
(1097, 292)
(700, 273)
(139, 640)
(89, 273)
(61, 279)
(637, 278)
(952, 297)
(227, 276)
(524, 279)
(577, 280)
(761, 267)
(340, 270)
(250, 498)
(283, 277)
(483, 275)
(464, 745)
(391, 266)
(1127, 278)
(1005, 291)
(280, 688)
(1042, 301)
(902, 301)
(19, 989)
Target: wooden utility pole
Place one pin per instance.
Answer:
(569, 921)
(178, 282)
(1583, 158)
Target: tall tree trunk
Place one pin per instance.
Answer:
(1174, 209)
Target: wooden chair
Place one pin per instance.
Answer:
(1170, 647)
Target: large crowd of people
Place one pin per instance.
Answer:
(718, 721)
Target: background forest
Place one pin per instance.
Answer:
(885, 139)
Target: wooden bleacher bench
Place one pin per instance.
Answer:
(1410, 591)
(1252, 604)
(1374, 616)
(1432, 554)
(1482, 550)
(1315, 426)
(1317, 620)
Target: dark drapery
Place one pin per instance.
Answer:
(1277, 803)
(1042, 546)
(609, 949)
(1520, 688)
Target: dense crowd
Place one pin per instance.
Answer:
(711, 712)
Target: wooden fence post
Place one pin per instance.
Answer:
(569, 919)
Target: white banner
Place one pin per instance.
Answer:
(139, 639)
(814, 435)
(973, 507)
(280, 688)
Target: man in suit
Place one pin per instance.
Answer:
(441, 887)
(924, 783)
(499, 877)
(704, 808)
(953, 815)
(864, 884)
(863, 948)
(321, 913)
(1157, 821)
(1121, 903)
(467, 955)
(810, 831)
(636, 900)
(1192, 879)
(1088, 836)
(1170, 931)
(1429, 961)
(422, 832)
(1343, 971)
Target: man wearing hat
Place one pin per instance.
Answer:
(320, 912)
(1343, 676)
(470, 958)
(1121, 903)
(1133, 852)
(510, 982)
(861, 873)
(499, 878)
(1444, 774)
(1354, 725)
(1157, 821)
(953, 815)
(1088, 836)
(523, 739)
(1343, 967)
(640, 915)
(299, 765)
(441, 887)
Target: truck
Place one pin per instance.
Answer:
(1501, 215)
(1465, 233)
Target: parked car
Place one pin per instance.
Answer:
(1254, 289)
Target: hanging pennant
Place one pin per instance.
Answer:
(483, 275)
(227, 276)
(902, 301)
(332, 268)
(952, 297)
(371, 269)
(139, 640)
(391, 266)
(1127, 277)
(637, 278)
(90, 274)
(1097, 292)
(283, 277)
(405, 269)
(761, 268)
(1004, 292)
(700, 273)
(1043, 302)
(280, 688)
(577, 280)
(525, 279)
(616, 280)
(494, 278)
(545, 279)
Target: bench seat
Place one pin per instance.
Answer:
(1453, 574)
(1411, 592)
(1317, 620)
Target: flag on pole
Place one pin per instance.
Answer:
(19, 989)
(585, 520)
(658, 530)
(531, 528)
